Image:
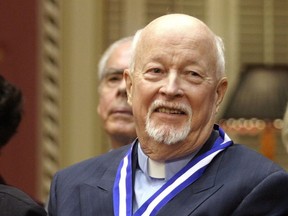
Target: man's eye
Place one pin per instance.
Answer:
(193, 76)
(156, 70)
(193, 73)
(114, 78)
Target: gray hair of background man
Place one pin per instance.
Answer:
(105, 57)
(219, 49)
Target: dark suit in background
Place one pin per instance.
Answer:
(14, 202)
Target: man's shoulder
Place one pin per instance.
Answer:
(94, 166)
(13, 200)
(246, 159)
(14, 193)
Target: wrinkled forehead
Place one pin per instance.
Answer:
(176, 30)
(193, 38)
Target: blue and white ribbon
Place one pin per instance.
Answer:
(123, 191)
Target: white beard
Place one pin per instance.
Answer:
(168, 134)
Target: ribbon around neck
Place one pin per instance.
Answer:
(123, 191)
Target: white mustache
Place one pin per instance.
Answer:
(167, 133)
(170, 105)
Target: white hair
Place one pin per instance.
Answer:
(103, 61)
(135, 43)
(220, 49)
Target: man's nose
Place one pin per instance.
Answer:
(171, 86)
(122, 88)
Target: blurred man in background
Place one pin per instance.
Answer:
(115, 112)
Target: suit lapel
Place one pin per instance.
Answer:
(195, 194)
(96, 192)
(95, 201)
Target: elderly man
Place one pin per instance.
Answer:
(181, 163)
(115, 112)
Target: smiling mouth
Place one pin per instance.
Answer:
(170, 111)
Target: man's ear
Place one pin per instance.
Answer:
(128, 81)
(221, 90)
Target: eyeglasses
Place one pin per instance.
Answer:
(112, 78)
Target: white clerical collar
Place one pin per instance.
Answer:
(161, 170)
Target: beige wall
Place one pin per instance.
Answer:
(75, 133)
(82, 45)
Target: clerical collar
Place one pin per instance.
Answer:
(161, 170)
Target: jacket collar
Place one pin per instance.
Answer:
(195, 194)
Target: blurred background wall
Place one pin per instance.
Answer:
(50, 48)
(19, 57)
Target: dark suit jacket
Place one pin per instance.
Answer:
(238, 181)
(14, 202)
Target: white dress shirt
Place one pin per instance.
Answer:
(152, 175)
